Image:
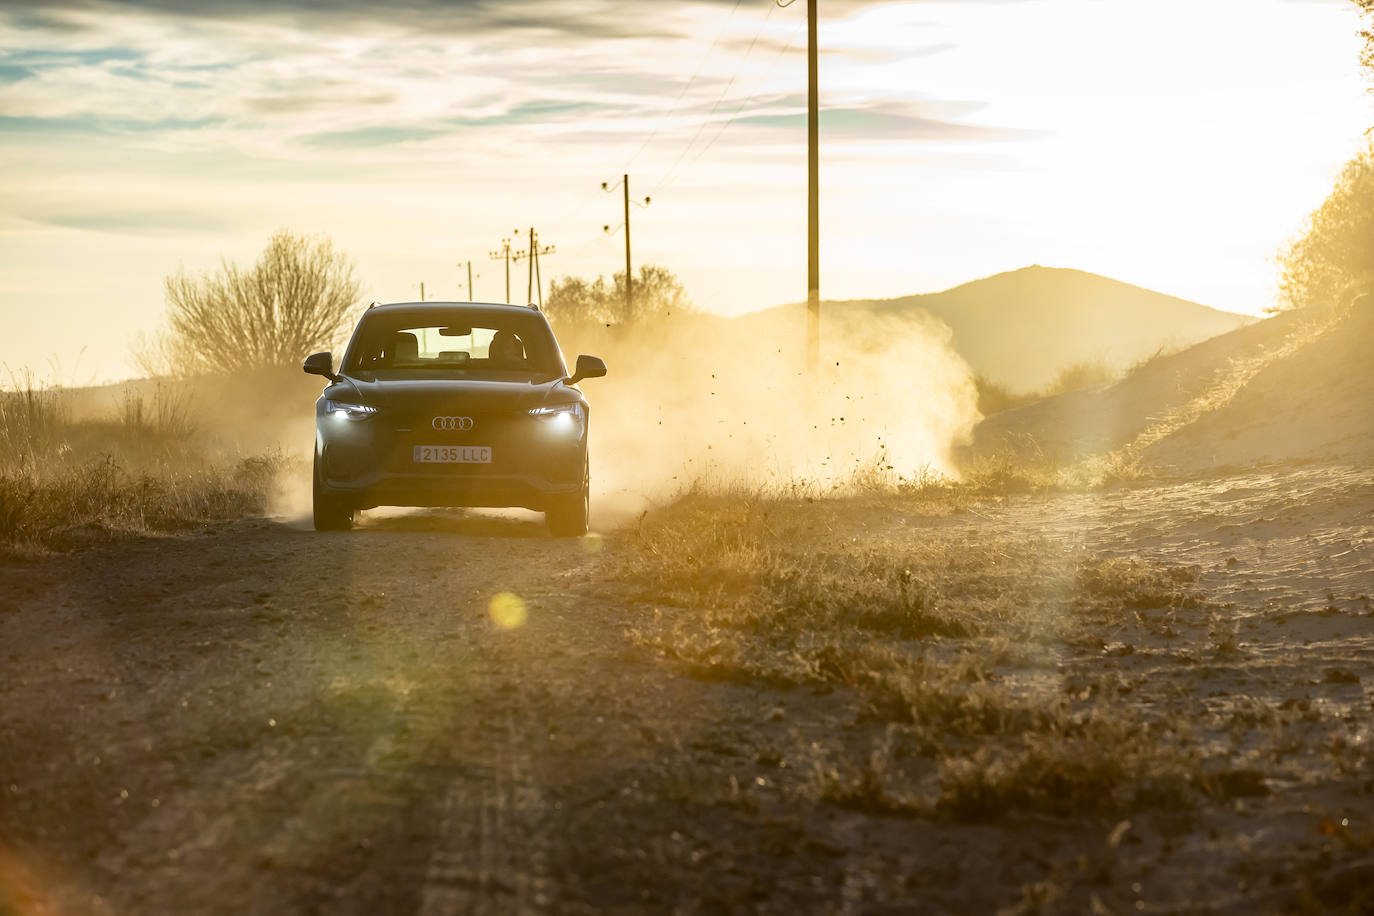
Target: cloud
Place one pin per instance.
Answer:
(883, 122)
(137, 222)
(365, 137)
(585, 18)
(289, 103)
(545, 108)
(541, 112)
(346, 81)
(22, 16)
(48, 57)
(94, 124)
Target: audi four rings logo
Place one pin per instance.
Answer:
(448, 423)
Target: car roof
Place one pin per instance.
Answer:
(421, 311)
(435, 305)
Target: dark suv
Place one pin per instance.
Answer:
(452, 404)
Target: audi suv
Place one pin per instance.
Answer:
(452, 404)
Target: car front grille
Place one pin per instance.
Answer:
(507, 434)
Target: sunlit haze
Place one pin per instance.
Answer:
(1174, 145)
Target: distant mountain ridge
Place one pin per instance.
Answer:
(1019, 328)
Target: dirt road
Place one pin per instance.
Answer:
(264, 717)
(440, 714)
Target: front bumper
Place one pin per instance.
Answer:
(490, 491)
(371, 463)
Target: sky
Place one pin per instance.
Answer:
(1175, 144)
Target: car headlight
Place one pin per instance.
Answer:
(343, 410)
(563, 418)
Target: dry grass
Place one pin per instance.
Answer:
(1022, 467)
(139, 469)
(955, 644)
(76, 503)
(32, 418)
(1102, 762)
(1225, 386)
(994, 397)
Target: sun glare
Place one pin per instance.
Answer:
(507, 610)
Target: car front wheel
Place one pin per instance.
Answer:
(330, 513)
(567, 515)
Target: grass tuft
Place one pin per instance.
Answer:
(940, 638)
(141, 468)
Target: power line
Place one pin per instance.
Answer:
(688, 85)
(672, 173)
(662, 121)
(668, 176)
(740, 108)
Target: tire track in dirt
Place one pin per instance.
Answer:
(285, 711)
(490, 855)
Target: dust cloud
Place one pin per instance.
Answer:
(692, 400)
(697, 400)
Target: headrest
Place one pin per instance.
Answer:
(503, 339)
(405, 347)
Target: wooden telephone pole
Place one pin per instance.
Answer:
(533, 253)
(505, 252)
(471, 298)
(629, 270)
(813, 188)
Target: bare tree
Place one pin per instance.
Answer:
(657, 293)
(1367, 55)
(156, 356)
(1332, 261)
(294, 300)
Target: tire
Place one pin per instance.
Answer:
(330, 513)
(567, 515)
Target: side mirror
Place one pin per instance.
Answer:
(321, 364)
(587, 367)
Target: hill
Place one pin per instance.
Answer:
(1312, 400)
(1295, 387)
(1021, 327)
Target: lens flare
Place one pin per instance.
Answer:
(507, 610)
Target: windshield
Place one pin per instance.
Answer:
(499, 346)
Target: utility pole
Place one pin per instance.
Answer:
(505, 252)
(538, 281)
(629, 270)
(469, 266)
(533, 253)
(813, 189)
(422, 290)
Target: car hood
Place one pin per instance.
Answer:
(407, 395)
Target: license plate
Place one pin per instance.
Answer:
(452, 454)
